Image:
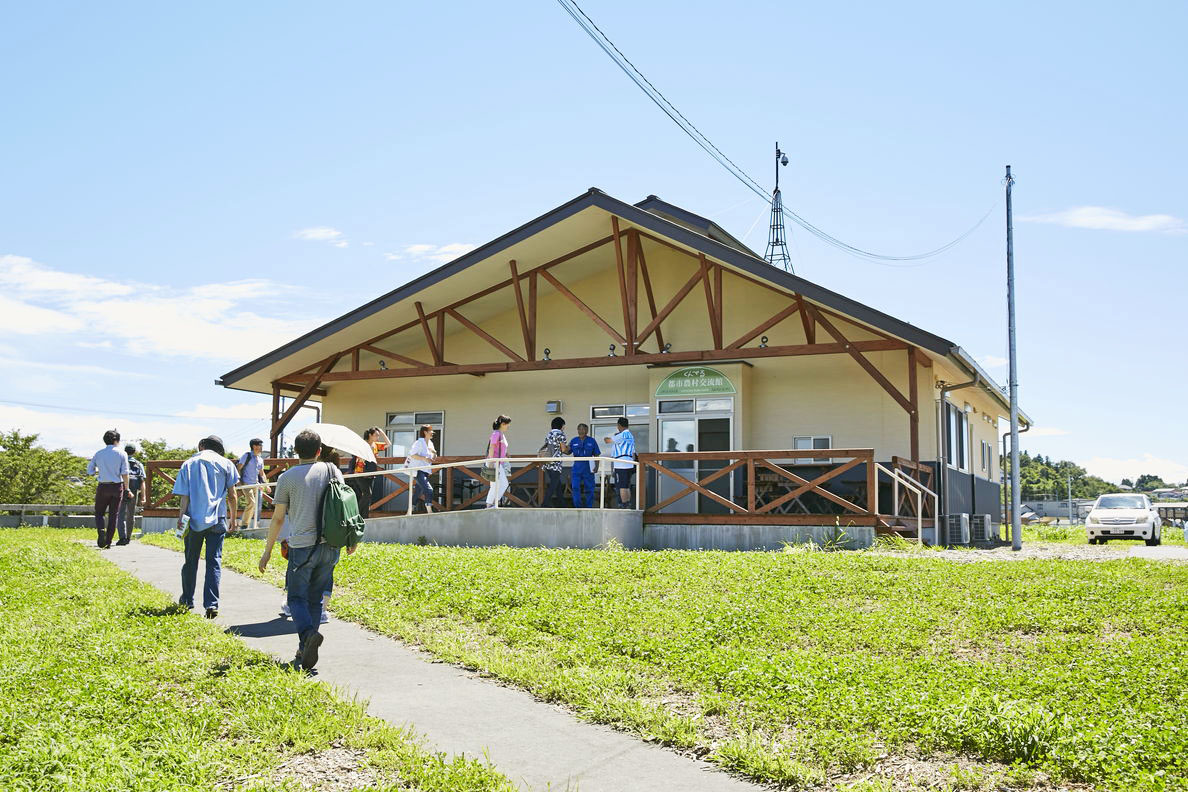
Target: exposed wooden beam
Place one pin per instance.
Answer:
(279, 425)
(384, 353)
(483, 334)
(672, 304)
(355, 359)
(433, 350)
(632, 290)
(628, 335)
(719, 301)
(285, 386)
(914, 413)
(697, 356)
(715, 329)
(532, 316)
(441, 335)
(806, 319)
(522, 310)
(861, 359)
(587, 310)
(276, 389)
(647, 279)
(765, 325)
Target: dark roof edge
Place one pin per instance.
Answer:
(412, 287)
(713, 230)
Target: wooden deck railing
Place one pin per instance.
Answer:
(923, 475)
(790, 487)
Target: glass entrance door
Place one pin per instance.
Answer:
(695, 425)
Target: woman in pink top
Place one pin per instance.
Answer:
(497, 449)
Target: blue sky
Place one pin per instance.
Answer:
(184, 186)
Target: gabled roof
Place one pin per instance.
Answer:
(661, 218)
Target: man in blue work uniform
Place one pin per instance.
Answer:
(583, 446)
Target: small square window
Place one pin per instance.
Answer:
(676, 406)
(429, 418)
(639, 410)
(400, 418)
(610, 411)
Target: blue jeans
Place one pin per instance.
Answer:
(422, 488)
(310, 575)
(213, 537)
(578, 479)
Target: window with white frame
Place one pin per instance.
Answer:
(814, 442)
(603, 419)
(956, 437)
(402, 429)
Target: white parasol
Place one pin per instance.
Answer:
(343, 439)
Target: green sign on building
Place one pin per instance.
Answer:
(695, 381)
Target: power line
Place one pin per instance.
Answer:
(697, 136)
(117, 413)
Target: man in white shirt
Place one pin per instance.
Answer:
(110, 464)
(623, 452)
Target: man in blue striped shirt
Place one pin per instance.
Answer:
(624, 465)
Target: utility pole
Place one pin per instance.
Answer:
(1016, 505)
(1070, 506)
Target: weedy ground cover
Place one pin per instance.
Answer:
(107, 685)
(804, 667)
(1075, 534)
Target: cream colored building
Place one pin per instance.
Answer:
(600, 308)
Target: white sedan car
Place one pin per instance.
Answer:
(1123, 516)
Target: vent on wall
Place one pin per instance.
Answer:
(957, 529)
(982, 528)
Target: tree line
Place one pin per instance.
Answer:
(1041, 476)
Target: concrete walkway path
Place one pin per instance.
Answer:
(537, 745)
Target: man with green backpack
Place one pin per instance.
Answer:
(323, 518)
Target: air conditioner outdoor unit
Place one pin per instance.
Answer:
(982, 528)
(957, 529)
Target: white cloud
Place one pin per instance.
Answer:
(1106, 219)
(318, 234)
(992, 361)
(1112, 469)
(341, 243)
(218, 321)
(70, 368)
(439, 253)
(1047, 431)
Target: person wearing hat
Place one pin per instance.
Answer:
(251, 471)
(138, 496)
(206, 483)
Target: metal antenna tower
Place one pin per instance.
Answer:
(777, 244)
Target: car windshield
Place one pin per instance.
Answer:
(1121, 502)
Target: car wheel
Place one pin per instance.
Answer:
(1155, 540)
(1092, 540)
(1102, 540)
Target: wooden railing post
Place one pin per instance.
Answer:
(750, 485)
(872, 486)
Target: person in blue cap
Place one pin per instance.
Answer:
(583, 476)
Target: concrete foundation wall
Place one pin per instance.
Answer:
(579, 528)
(753, 537)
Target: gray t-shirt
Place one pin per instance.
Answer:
(300, 489)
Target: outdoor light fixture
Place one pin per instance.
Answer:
(763, 341)
(383, 365)
(547, 353)
(612, 351)
(667, 348)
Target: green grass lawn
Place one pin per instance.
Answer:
(1075, 534)
(802, 667)
(106, 685)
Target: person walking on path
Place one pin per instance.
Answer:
(497, 450)
(420, 457)
(582, 476)
(623, 450)
(251, 471)
(554, 446)
(299, 494)
(138, 497)
(368, 489)
(206, 484)
(110, 464)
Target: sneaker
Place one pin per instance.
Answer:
(325, 616)
(212, 613)
(123, 542)
(309, 650)
(285, 609)
(184, 604)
